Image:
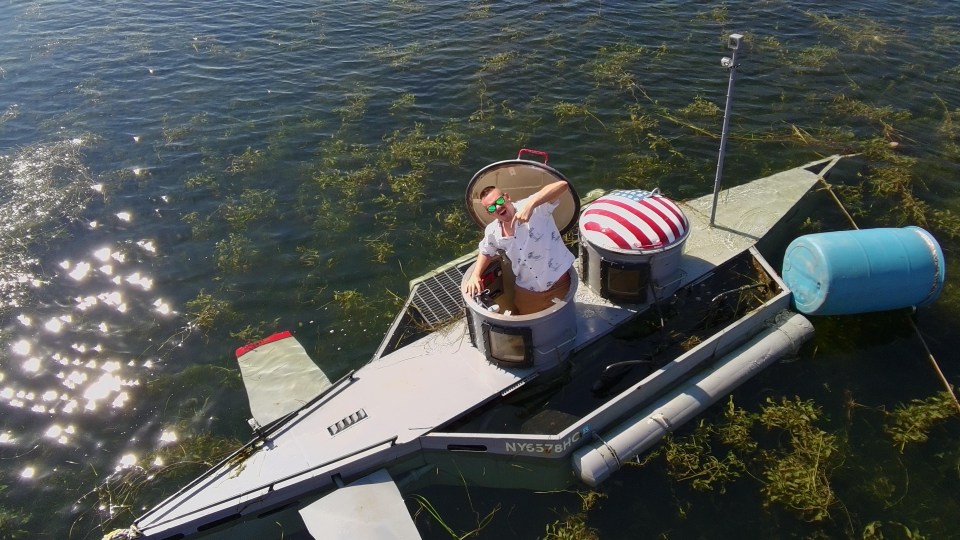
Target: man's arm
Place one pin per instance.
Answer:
(550, 192)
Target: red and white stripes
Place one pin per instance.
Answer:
(633, 220)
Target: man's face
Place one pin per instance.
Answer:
(504, 208)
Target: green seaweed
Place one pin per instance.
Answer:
(794, 469)
(235, 253)
(573, 525)
(207, 311)
(251, 205)
(911, 423)
(14, 523)
(246, 162)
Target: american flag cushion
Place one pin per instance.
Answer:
(633, 220)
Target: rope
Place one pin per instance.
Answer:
(829, 189)
(933, 361)
(936, 367)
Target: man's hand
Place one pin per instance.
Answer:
(473, 286)
(549, 192)
(523, 215)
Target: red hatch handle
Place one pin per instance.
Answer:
(535, 152)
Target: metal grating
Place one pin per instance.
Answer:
(438, 298)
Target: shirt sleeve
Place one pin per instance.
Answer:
(547, 207)
(486, 245)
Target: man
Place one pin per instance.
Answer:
(526, 231)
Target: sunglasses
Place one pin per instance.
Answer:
(493, 207)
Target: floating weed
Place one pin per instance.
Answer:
(565, 111)
(690, 459)
(719, 14)
(495, 63)
(310, 257)
(896, 182)
(944, 36)
(506, 111)
(890, 180)
(735, 429)
(810, 226)
(311, 124)
(339, 154)
(945, 222)
(408, 187)
(206, 311)
(398, 58)
(794, 465)
(701, 107)
(245, 162)
(415, 149)
(874, 531)
(278, 141)
(387, 218)
(949, 131)
(355, 106)
(13, 523)
(202, 181)
(690, 343)
(479, 10)
(831, 138)
(252, 204)
(514, 33)
(201, 227)
(333, 215)
(424, 505)
(211, 160)
(13, 111)
(481, 521)
(408, 6)
(880, 150)
(885, 116)
(252, 334)
(574, 526)
(234, 253)
(815, 58)
(614, 65)
(799, 476)
(859, 33)
(769, 43)
(351, 301)
(208, 45)
(642, 171)
(380, 248)
(403, 103)
(634, 128)
(351, 183)
(457, 229)
(171, 133)
(911, 423)
(480, 115)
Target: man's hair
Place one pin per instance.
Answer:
(488, 189)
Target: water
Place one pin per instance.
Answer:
(301, 161)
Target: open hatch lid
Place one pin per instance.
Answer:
(521, 178)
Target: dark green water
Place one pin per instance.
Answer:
(176, 178)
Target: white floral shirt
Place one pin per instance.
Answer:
(537, 252)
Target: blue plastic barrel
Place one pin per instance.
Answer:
(845, 272)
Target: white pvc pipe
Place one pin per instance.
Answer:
(596, 461)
